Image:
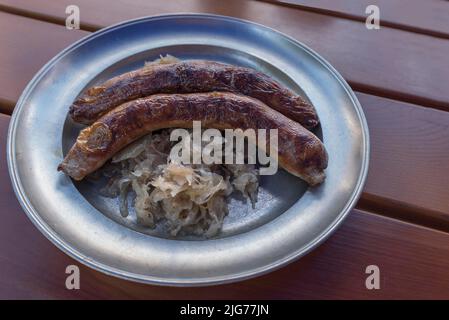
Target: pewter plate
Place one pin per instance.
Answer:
(289, 220)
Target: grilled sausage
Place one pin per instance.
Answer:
(300, 152)
(191, 77)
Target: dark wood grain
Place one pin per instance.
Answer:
(413, 262)
(428, 17)
(415, 63)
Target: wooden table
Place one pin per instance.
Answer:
(401, 76)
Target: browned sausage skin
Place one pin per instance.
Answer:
(191, 77)
(300, 152)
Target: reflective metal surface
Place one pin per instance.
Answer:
(289, 220)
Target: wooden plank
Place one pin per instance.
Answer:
(26, 46)
(409, 148)
(408, 165)
(413, 263)
(388, 62)
(428, 17)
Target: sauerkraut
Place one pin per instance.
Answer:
(188, 199)
(167, 59)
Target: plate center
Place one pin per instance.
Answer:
(277, 193)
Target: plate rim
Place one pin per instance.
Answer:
(51, 235)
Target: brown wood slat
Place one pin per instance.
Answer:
(388, 62)
(429, 17)
(409, 146)
(409, 161)
(413, 263)
(26, 46)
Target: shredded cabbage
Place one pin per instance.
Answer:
(191, 199)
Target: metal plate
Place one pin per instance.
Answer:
(289, 220)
